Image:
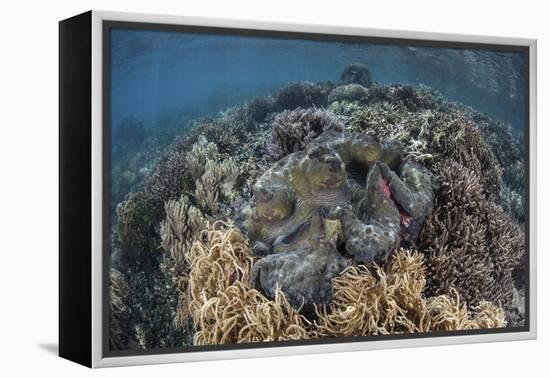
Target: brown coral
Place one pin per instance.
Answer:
(387, 300)
(222, 305)
(293, 129)
(390, 300)
(458, 138)
(471, 244)
(179, 229)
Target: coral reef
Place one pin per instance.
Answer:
(470, 243)
(356, 73)
(168, 179)
(293, 129)
(389, 300)
(342, 177)
(392, 210)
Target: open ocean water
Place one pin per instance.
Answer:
(163, 78)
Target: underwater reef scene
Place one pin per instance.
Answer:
(324, 209)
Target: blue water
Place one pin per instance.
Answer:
(164, 77)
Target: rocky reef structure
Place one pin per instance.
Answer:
(348, 92)
(304, 95)
(348, 178)
(356, 73)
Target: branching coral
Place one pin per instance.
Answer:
(430, 135)
(471, 243)
(293, 129)
(259, 108)
(390, 300)
(221, 303)
(228, 130)
(168, 179)
(201, 152)
(171, 177)
(179, 229)
(214, 176)
(456, 137)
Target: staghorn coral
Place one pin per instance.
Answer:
(293, 129)
(458, 138)
(471, 244)
(390, 300)
(224, 308)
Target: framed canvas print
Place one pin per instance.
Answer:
(234, 189)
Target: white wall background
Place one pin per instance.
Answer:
(28, 186)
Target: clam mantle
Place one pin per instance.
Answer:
(346, 198)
